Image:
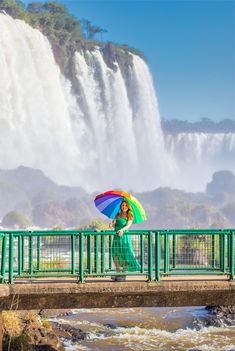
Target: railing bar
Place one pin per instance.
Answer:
(142, 254)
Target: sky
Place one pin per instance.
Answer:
(189, 46)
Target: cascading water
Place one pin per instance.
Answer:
(124, 122)
(36, 105)
(201, 154)
(109, 135)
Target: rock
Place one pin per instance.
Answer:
(32, 335)
(68, 332)
(110, 325)
(220, 315)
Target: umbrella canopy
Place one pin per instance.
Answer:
(109, 204)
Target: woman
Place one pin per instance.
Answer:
(122, 250)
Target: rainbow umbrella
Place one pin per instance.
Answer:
(109, 204)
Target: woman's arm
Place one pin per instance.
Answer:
(112, 224)
(127, 226)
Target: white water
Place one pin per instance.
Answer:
(107, 136)
(36, 105)
(124, 123)
(177, 328)
(199, 155)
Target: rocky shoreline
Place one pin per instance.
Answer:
(32, 331)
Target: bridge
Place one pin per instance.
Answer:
(72, 269)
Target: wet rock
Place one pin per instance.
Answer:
(220, 315)
(68, 332)
(111, 325)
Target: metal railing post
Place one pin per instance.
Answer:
(81, 258)
(150, 256)
(23, 252)
(166, 253)
(213, 247)
(174, 239)
(19, 255)
(222, 253)
(89, 253)
(157, 256)
(96, 253)
(73, 254)
(232, 255)
(11, 257)
(30, 254)
(103, 243)
(110, 252)
(141, 253)
(4, 258)
(38, 252)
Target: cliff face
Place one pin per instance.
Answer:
(68, 35)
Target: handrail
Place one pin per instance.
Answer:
(86, 253)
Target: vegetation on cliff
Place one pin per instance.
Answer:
(205, 125)
(67, 34)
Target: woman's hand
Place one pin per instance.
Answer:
(112, 224)
(120, 232)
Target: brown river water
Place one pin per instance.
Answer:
(161, 329)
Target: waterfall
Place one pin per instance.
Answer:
(199, 155)
(107, 135)
(36, 105)
(124, 122)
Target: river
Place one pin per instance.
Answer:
(161, 329)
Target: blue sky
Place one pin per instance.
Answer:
(189, 46)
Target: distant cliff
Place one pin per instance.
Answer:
(28, 193)
(205, 125)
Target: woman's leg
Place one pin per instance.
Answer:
(116, 263)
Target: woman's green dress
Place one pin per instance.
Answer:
(122, 248)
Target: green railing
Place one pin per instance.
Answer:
(81, 254)
(3, 248)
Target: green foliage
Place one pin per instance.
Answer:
(18, 343)
(66, 33)
(56, 262)
(229, 211)
(96, 224)
(222, 182)
(91, 30)
(53, 20)
(205, 125)
(13, 8)
(15, 219)
(46, 323)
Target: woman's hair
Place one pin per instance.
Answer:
(129, 214)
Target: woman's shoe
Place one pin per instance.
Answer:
(120, 278)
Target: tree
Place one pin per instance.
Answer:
(91, 30)
(55, 8)
(15, 219)
(229, 212)
(35, 7)
(222, 182)
(13, 8)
